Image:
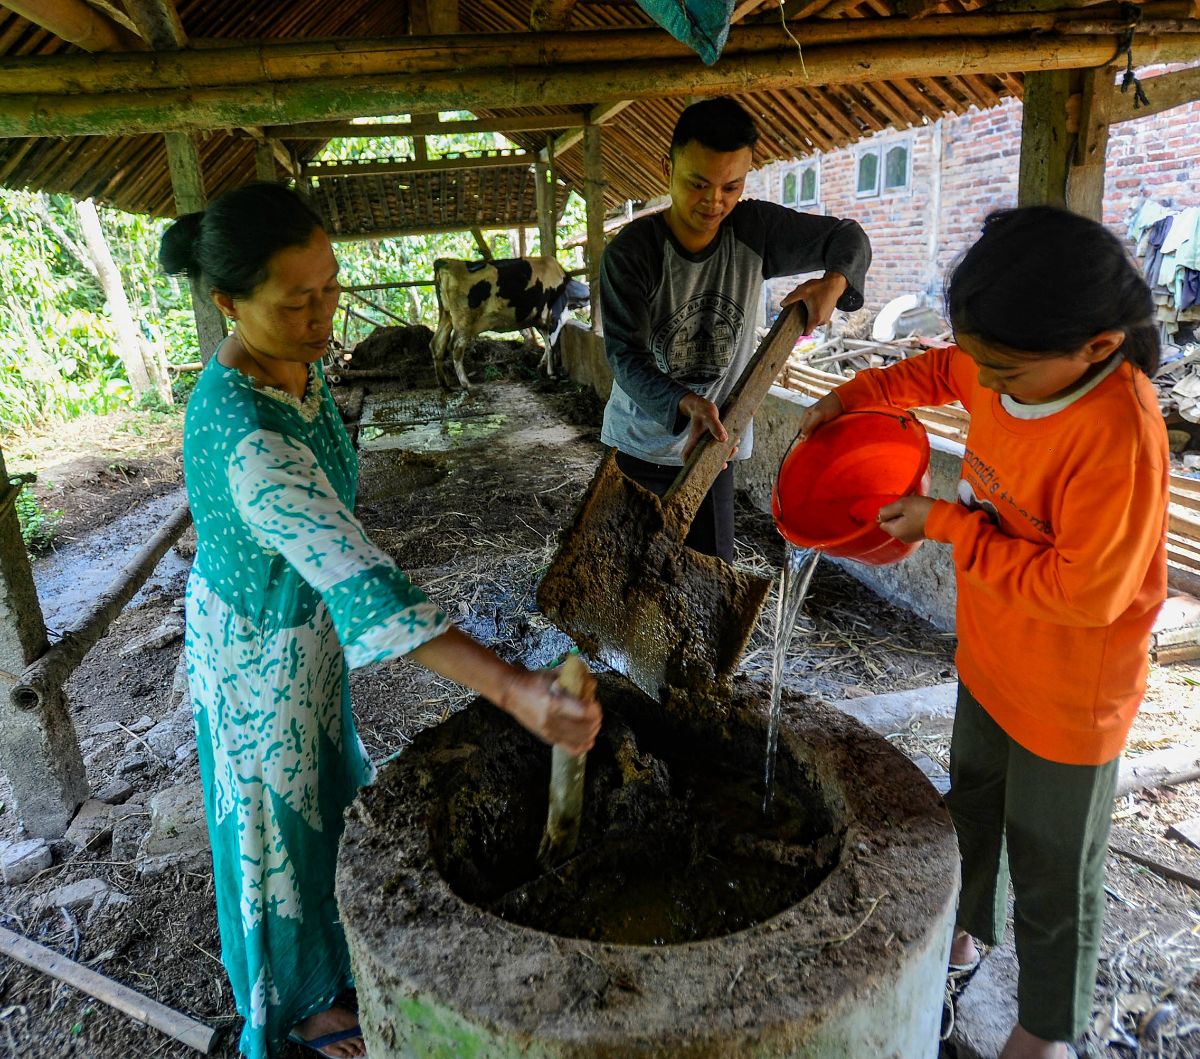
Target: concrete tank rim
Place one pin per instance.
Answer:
(450, 926)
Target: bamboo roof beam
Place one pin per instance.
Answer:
(423, 126)
(78, 113)
(77, 23)
(255, 65)
(598, 115)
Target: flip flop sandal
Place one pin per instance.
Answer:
(964, 968)
(319, 1044)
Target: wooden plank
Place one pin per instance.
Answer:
(1186, 831)
(142, 1008)
(1165, 870)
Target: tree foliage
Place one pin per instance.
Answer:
(57, 342)
(57, 339)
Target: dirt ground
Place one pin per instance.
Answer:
(474, 522)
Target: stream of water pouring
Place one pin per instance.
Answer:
(797, 574)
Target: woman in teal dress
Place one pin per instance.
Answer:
(286, 595)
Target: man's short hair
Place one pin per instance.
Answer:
(719, 124)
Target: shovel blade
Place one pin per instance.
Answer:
(631, 594)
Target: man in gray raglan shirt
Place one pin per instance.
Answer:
(679, 295)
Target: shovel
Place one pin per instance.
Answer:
(566, 781)
(625, 587)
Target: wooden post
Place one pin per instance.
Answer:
(482, 243)
(1064, 136)
(264, 161)
(1085, 176)
(593, 184)
(187, 181)
(545, 209)
(39, 751)
(1047, 141)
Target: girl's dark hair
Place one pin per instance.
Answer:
(1043, 280)
(230, 243)
(719, 124)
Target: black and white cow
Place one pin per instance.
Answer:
(507, 295)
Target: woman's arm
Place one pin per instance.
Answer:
(530, 697)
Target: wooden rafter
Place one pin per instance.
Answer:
(546, 15)
(425, 126)
(1165, 91)
(157, 23)
(473, 160)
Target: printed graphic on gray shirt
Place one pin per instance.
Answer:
(696, 344)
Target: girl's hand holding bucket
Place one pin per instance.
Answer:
(905, 518)
(827, 408)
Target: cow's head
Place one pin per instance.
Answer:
(576, 293)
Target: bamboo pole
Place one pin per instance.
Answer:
(150, 1012)
(127, 113)
(340, 60)
(47, 675)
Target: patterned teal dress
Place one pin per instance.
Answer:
(285, 596)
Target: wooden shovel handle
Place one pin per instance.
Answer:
(572, 677)
(687, 492)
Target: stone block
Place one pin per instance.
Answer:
(178, 835)
(92, 826)
(75, 895)
(21, 861)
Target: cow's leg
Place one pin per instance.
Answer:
(441, 340)
(547, 360)
(458, 350)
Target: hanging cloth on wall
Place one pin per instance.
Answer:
(703, 25)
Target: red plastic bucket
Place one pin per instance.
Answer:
(831, 486)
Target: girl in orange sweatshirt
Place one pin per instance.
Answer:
(1058, 541)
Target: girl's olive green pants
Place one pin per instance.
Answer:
(1047, 825)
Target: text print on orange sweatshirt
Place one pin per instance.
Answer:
(1059, 547)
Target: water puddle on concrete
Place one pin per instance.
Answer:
(71, 577)
(434, 420)
(798, 567)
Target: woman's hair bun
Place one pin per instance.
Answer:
(177, 253)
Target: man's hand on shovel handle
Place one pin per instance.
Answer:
(550, 714)
(820, 297)
(706, 419)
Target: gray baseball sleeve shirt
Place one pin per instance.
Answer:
(675, 321)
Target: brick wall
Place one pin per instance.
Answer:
(968, 164)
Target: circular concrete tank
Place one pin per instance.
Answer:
(686, 925)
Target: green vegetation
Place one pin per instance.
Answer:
(58, 340)
(37, 525)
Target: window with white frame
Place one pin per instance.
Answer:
(867, 181)
(896, 167)
(882, 169)
(801, 184)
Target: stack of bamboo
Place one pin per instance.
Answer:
(950, 422)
